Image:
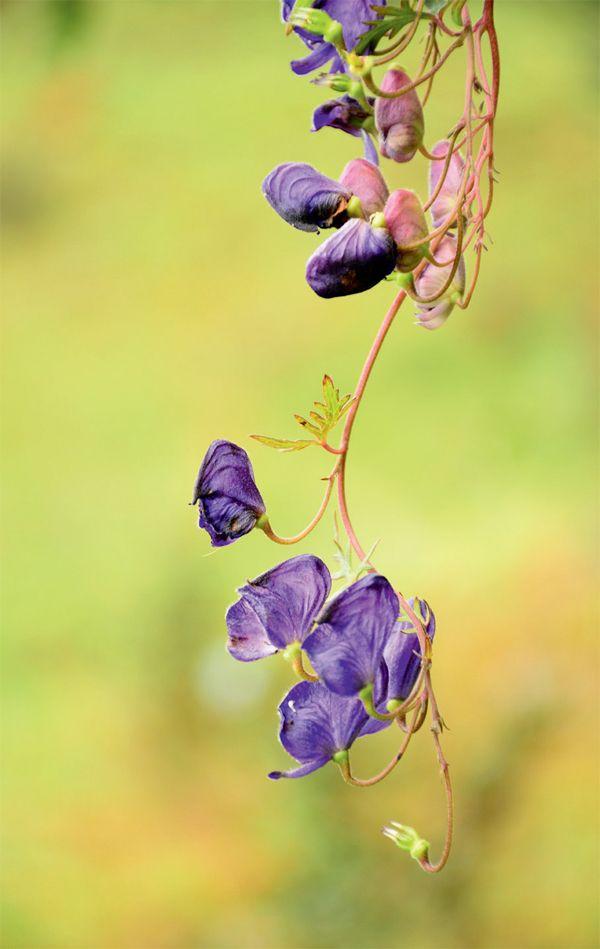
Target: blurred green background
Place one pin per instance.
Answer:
(153, 302)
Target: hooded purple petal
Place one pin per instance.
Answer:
(364, 179)
(315, 724)
(247, 636)
(287, 598)
(399, 121)
(446, 199)
(304, 197)
(344, 113)
(353, 260)
(229, 502)
(347, 646)
(402, 653)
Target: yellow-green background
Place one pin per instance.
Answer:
(153, 302)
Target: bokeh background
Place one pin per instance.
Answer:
(153, 302)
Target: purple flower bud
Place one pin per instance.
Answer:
(402, 653)
(406, 223)
(363, 178)
(446, 199)
(432, 279)
(344, 113)
(278, 608)
(353, 15)
(399, 121)
(229, 502)
(353, 260)
(304, 197)
(347, 645)
(316, 725)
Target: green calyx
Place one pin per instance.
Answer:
(406, 838)
(292, 651)
(378, 220)
(340, 757)
(354, 207)
(393, 704)
(262, 522)
(318, 22)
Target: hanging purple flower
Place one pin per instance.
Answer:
(353, 15)
(347, 115)
(317, 725)
(229, 503)
(402, 652)
(305, 198)
(347, 646)
(278, 608)
(448, 194)
(354, 259)
(363, 179)
(432, 279)
(399, 121)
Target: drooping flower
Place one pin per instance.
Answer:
(406, 223)
(229, 503)
(402, 652)
(347, 645)
(363, 179)
(278, 608)
(354, 259)
(305, 198)
(399, 121)
(353, 15)
(445, 201)
(432, 279)
(347, 115)
(316, 725)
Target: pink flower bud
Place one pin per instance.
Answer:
(399, 121)
(364, 179)
(446, 199)
(406, 223)
(432, 279)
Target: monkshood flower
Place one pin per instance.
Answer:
(277, 609)
(347, 115)
(405, 220)
(402, 652)
(229, 503)
(364, 180)
(352, 15)
(318, 726)
(347, 645)
(351, 261)
(305, 198)
(432, 279)
(400, 121)
(448, 194)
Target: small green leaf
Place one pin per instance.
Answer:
(283, 444)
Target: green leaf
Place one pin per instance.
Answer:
(434, 6)
(283, 444)
(393, 20)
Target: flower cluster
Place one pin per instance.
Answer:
(363, 654)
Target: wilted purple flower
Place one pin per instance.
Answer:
(229, 503)
(406, 223)
(446, 199)
(353, 16)
(432, 279)
(316, 725)
(402, 652)
(305, 198)
(278, 608)
(353, 260)
(347, 645)
(363, 179)
(400, 121)
(347, 115)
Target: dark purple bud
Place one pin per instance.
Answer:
(448, 194)
(402, 653)
(406, 223)
(344, 113)
(347, 646)
(353, 260)
(365, 180)
(285, 600)
(432, 279)
(305, 198)
(399, 121)
(229, 503)
(317, 725)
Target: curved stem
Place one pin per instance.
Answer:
(369, 782)
(270, 533)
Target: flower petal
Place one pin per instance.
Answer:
(351, 261)
(402, 653)
(399, 121)
(406, 223)
(304, 197)
(248, 639)
(364, 179)
(446, 199)
(229, 503)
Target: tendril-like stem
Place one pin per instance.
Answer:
(270, 533)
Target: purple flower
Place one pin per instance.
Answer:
(448, 194)
(399, 121)
(432, 279)
(353, 260)
(353, 16)
(316, 725)
(278, 608)
(402, 653)
(347, 115)
(229, 503)
(363, 179)
(304, 197)
(347, 646)
(406, 223)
